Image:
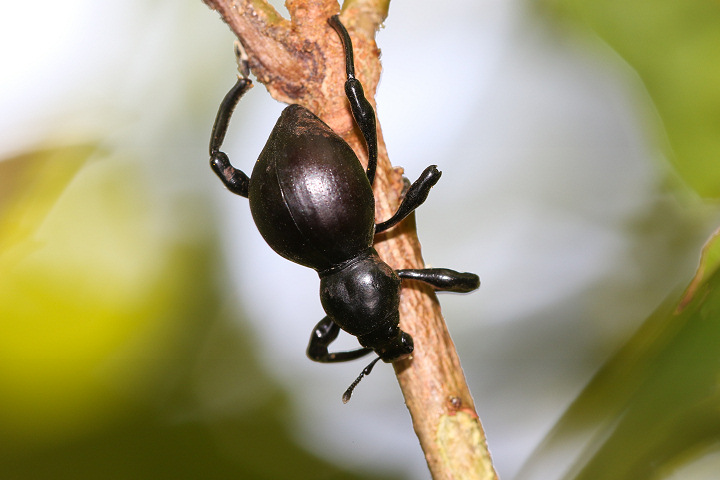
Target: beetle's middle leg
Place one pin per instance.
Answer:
(361, 109)
(235, 180)
(442, 279)
(324, 333)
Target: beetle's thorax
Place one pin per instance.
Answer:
(361, 294)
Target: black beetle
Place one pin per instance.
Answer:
(313, 204)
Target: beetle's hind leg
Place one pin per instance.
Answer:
(361, 109)
(235, 180)
(324, 333)
(443, 279)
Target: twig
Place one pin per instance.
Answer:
(300, 61)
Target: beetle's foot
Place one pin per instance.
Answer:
(235, 180)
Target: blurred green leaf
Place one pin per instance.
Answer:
(30, 184)
(675, 48)
(119, 357)
(709, 263)
(656, 401)
(87, 279)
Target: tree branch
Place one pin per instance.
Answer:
(301, 61)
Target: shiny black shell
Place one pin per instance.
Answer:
(362, 297)
(309, 195)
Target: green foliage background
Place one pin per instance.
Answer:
(652, 412)
(673, 47)
(116, 361)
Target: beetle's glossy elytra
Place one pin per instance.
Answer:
(304, 176)
(313, 204)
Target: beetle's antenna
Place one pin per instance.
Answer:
(366, 371)
(242, 60)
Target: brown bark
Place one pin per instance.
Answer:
(300, 61)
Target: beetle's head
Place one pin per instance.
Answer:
(400, 347)
(388, 341)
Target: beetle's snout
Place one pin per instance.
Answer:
(401, 348)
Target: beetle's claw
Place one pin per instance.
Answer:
(242, 60)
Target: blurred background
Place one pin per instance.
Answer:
(147, 331)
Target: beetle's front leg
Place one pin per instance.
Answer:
(362, 111)
(443, 279)
(414, 197)
(235, 180)
(324, 333)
